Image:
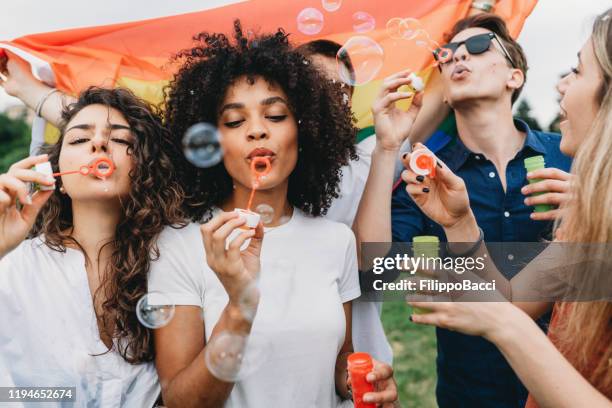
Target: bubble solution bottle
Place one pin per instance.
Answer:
(532, 164)
(427, 247)
(359, 365)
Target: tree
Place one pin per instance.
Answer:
(15, 136)
(523, 112)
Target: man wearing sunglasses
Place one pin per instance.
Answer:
(482, 71)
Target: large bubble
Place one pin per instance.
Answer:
(367, 57)
(202, 145)
(310, 21)
(233, 357)
(363, 22)
(154, 310)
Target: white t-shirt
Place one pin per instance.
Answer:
(368, 332)
(48, 333)
(309, 269)
(354, 176)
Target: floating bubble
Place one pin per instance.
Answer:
(154, 310)
(310, 21)
(409, 28)
(266, 212)
(421, 39)
(403, 28)
(363, 22)
(202, 145)
(367, 57)
(248, 301)
(233, 357)
(331, 5)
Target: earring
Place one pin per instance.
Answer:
(62, 190)
(299, 121)
(299, 149)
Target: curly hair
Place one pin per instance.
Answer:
(326, 131)
(154, 201)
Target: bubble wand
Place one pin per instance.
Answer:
(252, 218)
(101, 168)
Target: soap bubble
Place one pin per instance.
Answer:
(331, 5)
(154, 310)
(363, 22)
(367, 57)
(266, 212)
(310, 21)
(249, 300)
(233, 357)
(202, 146)
(403, 28)
(423, 40)
(409, 28)
(444, 55)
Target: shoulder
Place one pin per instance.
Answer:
(551, 143)
(177, 235)
(323, 228)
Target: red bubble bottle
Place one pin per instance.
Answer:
(359, 365)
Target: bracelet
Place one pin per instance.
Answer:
(471, 250)
(42, 101)
(483, 5)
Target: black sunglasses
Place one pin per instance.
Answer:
(475, 45)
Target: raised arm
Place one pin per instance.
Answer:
(19, 82)
(180, 347)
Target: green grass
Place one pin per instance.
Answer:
(414, 356)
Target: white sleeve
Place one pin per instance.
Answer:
(348, 284)
(179, 271)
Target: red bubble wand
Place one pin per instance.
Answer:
(101, 168)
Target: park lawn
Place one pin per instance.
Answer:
(414, 356)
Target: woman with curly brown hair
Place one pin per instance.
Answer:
(269, 103)
(68, 294)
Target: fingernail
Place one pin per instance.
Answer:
(420, 178)
(425, 190)
(28, 200)
(50, 179)
(438, 163)
(526, 201)
(367, 398)
(529, 174)
(370, 377)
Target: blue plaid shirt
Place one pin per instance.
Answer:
(471, 371)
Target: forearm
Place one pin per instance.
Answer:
(54, 104)
(432, 113)
(373, 220)
(550, 378)
(195, 386)
(341, 374)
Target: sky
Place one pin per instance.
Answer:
(551, 37)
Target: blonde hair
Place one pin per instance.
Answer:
(584, 333)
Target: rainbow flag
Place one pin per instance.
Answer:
(136, 54)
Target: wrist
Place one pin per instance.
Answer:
(465, 229)
(507, 326)
(33, 93)
(237, 321)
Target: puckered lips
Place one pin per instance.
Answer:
(261, 152)
(460, 72)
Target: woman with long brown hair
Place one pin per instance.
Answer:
(573, 366)
(68, 294)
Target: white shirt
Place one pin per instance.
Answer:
(48, 333)
(354, 176)
(368, 332)
(308, 270)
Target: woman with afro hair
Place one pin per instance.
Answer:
(266, 99)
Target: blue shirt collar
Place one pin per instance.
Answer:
(455, 154)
